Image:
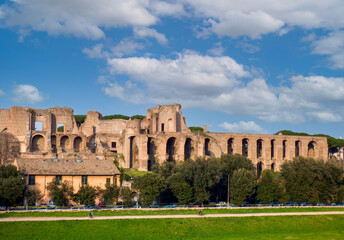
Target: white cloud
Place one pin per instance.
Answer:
(216, 83)
(126, 47)
(256, 17)
(332, 46)
(26, 93)
(79, 18)
(169, 9)
(217, 50)
(95, 52)
(123, 48)
(242, 127)
(253, 24)
(143, 32)
(2, 92)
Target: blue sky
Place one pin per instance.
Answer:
(238, 66)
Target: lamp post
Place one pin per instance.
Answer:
(228, 192)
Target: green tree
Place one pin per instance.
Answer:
(110, 194)
(269, 187)
(87, 195)
(242, 185)
(314, 181)
(33, 195)
(230, 163)
(150, 186)
(59, 194)
(180, 188)
(12, 186)
(126, 196)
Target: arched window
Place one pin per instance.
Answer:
(230, 146)
(259, 148)
(38, 143)
(245, 147)
(170, 148)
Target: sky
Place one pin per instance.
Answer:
(248, 66)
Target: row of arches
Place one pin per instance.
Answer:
(64, 143)
(259, 146)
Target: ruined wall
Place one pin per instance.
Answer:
(161, 136)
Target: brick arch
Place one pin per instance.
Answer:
(189, 149)
(171, 148)
(244, 146)
(38, 143)
(230, 146)
(65, 143)
(259, 148)
(311, 147)
(77, 144)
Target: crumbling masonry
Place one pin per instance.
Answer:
(161, 136)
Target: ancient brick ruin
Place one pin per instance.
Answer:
(161, 136)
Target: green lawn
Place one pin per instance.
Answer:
(119, 212)
(284, 227)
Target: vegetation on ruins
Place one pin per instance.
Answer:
(333, 143)
(196, 129)
(12, 186)
(79, 119)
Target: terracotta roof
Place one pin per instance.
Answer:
(69, 167)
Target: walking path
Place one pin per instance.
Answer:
(20, 219)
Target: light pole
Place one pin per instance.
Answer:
(228, 192)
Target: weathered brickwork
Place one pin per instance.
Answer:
(161, 136)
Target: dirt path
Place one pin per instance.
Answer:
(20, 219)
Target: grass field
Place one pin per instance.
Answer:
(284, 227)
(162, 212)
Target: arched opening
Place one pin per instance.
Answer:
(245, 147)
(64, 143)
(53, 144)
(297, 148)
(259, 169)
(134, 154)
(38, 143)
(230, 146)
(206, 147)
(311, 149)
(259, 148)
(272, 148)
(170, 125)
(170, 148)
(151, 154)
(273, 166)
(284, 148)
(77, 144)
(187, 149)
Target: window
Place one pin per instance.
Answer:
(60, 127)
(59, 179)
(108, 181)
(162, 127)
(38, 126)
(32, 180)
(113, 144)
(84, 180)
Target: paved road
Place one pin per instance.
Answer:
(20, 219)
